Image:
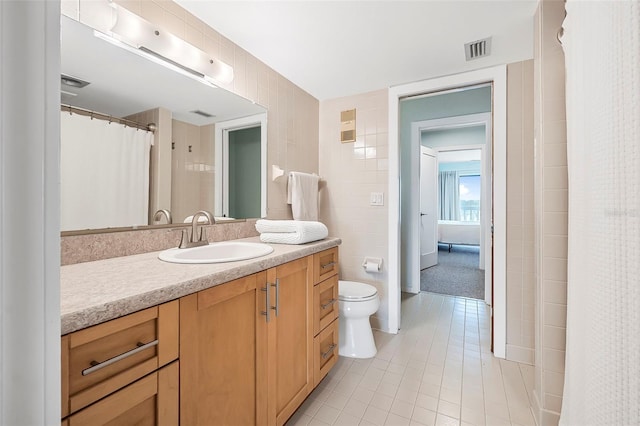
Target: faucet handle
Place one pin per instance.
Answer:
(184, 239)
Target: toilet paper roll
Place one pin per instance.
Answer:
(372, 267)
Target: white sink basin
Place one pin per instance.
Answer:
(224, 251)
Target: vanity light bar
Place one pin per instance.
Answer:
(156, 59)
(134, 31)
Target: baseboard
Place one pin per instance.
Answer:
(521, 354)
(541, 416)
(381, 324)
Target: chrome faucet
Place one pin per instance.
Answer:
(162, 212)
(196, 239)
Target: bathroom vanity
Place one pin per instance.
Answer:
(230, 343)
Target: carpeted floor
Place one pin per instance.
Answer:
(456, 273)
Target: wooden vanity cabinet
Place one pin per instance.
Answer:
(290, 338)
(246, 352)
(223, 354)
(152, 400)
(120, 358)
(325, 319)
(246, 348)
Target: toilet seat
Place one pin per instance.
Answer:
(351, 291)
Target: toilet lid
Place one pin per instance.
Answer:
(351, 290)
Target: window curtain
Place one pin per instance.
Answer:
(449, 193)
(104, 171)
(602, 370)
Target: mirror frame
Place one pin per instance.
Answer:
(138, 228)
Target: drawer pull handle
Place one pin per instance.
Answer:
(95, 365)
(267, 311)
(329, 351)
(327, 265)
(329, 303)
(277, 306)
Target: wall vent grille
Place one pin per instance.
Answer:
(477, 49)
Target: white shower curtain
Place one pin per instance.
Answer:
(602, 373)
(104, 171)
(449, 193)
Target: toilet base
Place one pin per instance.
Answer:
(356, 338)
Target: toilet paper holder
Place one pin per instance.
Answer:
(372, 264)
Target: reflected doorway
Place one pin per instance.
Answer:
(241, 167)
(243, 173)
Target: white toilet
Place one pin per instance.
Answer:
(357, 301)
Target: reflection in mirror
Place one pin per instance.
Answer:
(190, 162)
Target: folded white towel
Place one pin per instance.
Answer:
(203, 219)
(302, 194)
(290, 231)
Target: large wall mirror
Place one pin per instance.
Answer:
(207, 150)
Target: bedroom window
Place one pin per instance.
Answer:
(469, 198)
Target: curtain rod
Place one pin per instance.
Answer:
(151, 127)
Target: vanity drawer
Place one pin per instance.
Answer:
(325, 303)
(325, 352)
(99, 360)
(325, 264)
(152, 400)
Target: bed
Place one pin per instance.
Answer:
(462, 233)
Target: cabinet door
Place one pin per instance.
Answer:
(152, 400)
(290, 337)
(223, 354)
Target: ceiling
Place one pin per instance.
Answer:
(340, 48)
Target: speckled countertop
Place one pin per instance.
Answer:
(95, 292)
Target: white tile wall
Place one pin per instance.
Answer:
(351, 172)
(520, 214)
(551, 212)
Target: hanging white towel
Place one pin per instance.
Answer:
(302, 194)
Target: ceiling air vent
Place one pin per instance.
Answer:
(69, 81)
(478, 49)
(202, 113)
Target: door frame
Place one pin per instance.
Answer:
(469, 120)
(221, 157)
(498, 76)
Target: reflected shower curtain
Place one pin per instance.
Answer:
(449, 194)
(602, 50)
(104, 170)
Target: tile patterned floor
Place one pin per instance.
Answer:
(437, 371)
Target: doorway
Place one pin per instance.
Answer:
(462, 146)
(496, 76)
(241, 167)
(462, 203)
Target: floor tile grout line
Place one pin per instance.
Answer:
(442, 376)
(484, 399)
(464, 343)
